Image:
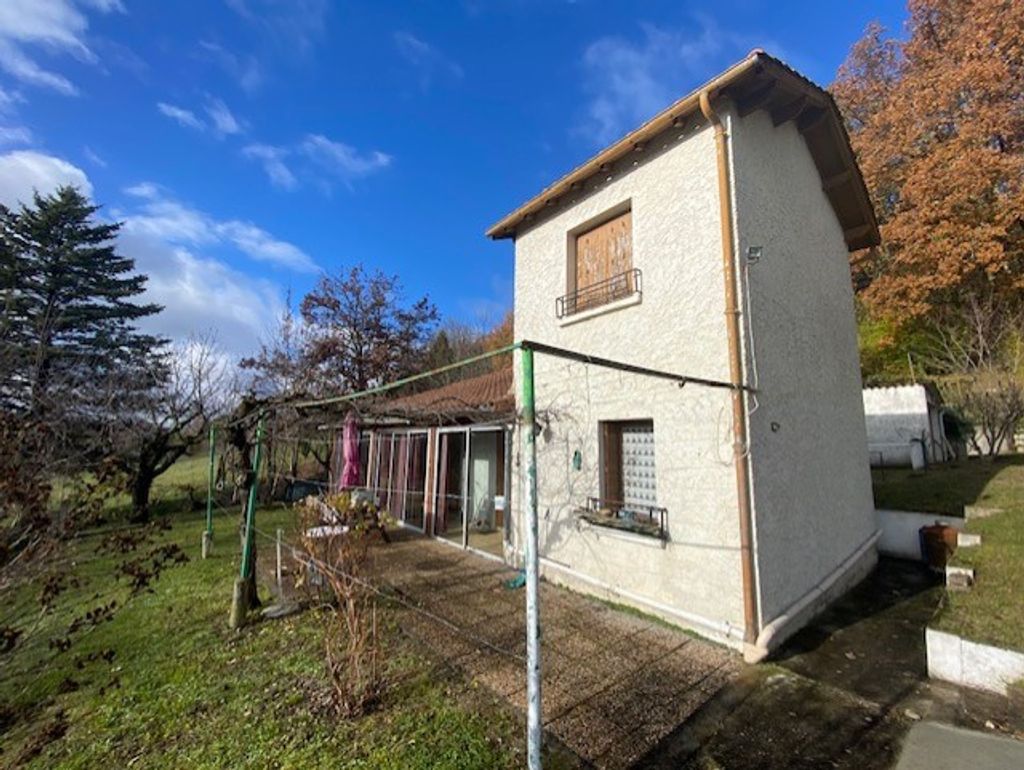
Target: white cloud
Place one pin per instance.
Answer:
(106, 5)
(260, 245)
(9, 101)
(52, 26)
(163, 218)
(179, 248)
(201, 294)
(295, 26)
(93, 157)
(223, 121)
(21, 67)
(245, 71)
(429, 62)
(184, 117)
(24, 172)
(148, 190)
(274, 165)
(15, 135)
(319, 158)
(343, 160)
(629, 81)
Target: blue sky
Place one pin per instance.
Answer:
(250, 144)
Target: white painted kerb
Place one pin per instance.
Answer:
(971, 664)
(901, 531)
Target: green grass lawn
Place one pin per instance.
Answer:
(181, 690)
(993, 611)
(948, 488)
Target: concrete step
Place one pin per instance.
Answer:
(959, 578)
(967, 540)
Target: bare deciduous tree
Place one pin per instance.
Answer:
(187, 388)
(976, 347)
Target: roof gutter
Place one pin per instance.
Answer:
(740, 438)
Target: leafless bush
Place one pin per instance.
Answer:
(337, 535)
(992, 401)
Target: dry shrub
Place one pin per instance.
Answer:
(337, 534)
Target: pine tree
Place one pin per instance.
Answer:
(69, 310)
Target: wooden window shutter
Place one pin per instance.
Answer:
(604, 251)
(611, 461)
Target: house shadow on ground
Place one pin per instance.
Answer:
(947, 488)
(841, 693)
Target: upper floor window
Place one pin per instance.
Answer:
(600, 266)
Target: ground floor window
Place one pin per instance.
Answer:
(398, 476)
(628, 496)
(472, 488)
(452, 482)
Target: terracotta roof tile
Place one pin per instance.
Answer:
(486, 395)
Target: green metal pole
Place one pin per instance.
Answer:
(208, 533)
(250, 508)
(533, 680)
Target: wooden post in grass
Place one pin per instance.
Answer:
(208, 532)
(278, 571)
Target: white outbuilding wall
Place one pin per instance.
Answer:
(898, 418)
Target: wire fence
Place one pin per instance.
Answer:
(381, 589)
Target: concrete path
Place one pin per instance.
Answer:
(931, 746)
(843, 693)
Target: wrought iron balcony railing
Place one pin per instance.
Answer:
(642, 519)
(601, 293)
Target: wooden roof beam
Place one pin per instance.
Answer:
(851, 234)
(837, 180)
(789, 111)
(756, 100)
(811, 119)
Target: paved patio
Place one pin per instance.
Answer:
(614, 684)
(622, 690)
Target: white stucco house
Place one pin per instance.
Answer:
(726, 489)
(907, 426)
(712, 241)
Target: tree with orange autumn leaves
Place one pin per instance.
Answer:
(937, 121)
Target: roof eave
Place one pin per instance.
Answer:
(858, 235)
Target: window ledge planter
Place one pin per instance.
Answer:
(652, 527)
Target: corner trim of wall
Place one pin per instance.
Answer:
(783, 625)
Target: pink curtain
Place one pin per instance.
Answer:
(441, 509)
(350, 450)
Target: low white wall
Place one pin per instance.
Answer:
(970, 664)
(900, 530)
